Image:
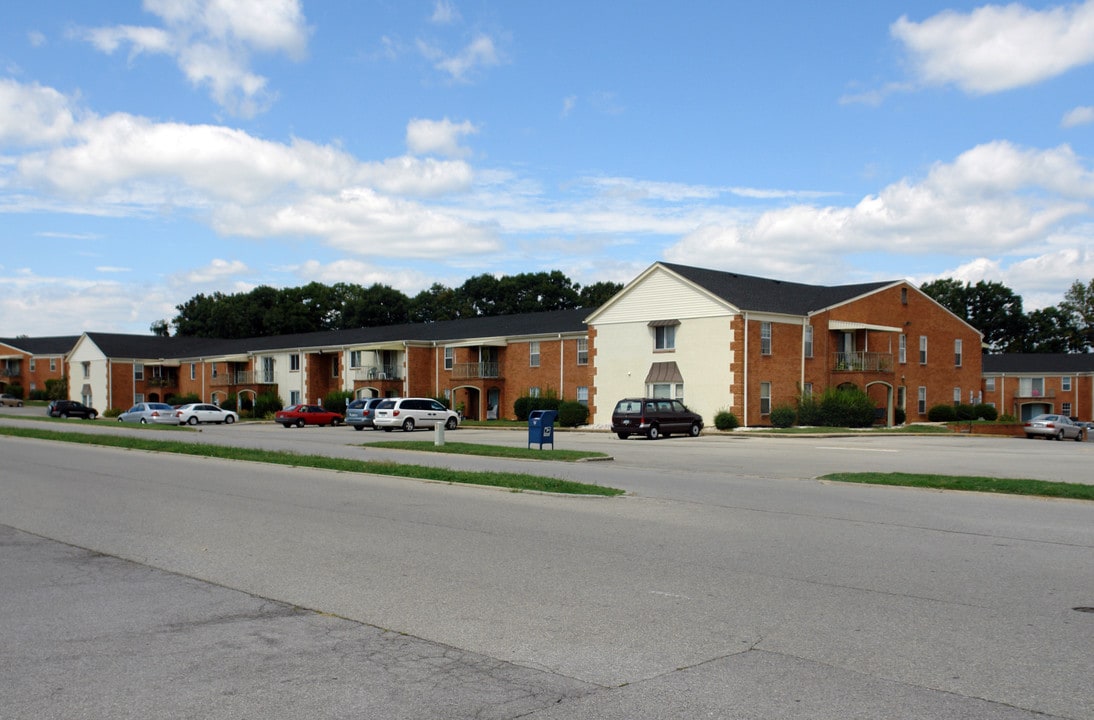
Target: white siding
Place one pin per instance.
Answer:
(89, 352)
(661, 296)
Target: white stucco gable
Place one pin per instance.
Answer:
(659, 293)
(88, 373)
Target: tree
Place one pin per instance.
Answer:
(375, 306)
(990, 307)
(160, 328)
(1078, 304)
(1051, 330)
(595, 295)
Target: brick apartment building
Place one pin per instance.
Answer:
(1026, 384)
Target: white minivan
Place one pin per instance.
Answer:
(410, 413)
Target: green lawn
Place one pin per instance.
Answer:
(512, 481)
(456, 448)
(1044, 488)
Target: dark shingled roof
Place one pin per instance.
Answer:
(764, 295)
(1039, 363)
(43, 345)
(152, 346)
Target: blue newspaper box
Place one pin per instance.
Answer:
(541, 427)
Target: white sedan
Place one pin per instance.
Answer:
(195, 413)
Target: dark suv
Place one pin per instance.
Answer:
(71, 408)
(654, 418)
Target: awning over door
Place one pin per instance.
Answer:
(848, 325)
(664, 372)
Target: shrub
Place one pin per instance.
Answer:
(725, 420)
(809, 410)
(337, 400)
(983, 411)
(572, 413)
(899, 416)
(182, 399)
(942, 413)
(523, 406)
(57, 389)
(112, 412)
(39, 395)
(783, 416)
(16, 390)
(965, 412)
(846, 407)
(267, 404)
(1007, 419)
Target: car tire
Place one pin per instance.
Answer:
(192, 420)
(229, 419)
(451, 424)
(1059, 436)
(143, 421)
(653, 433)
(694, 430)
(623, 436)
(335, 422)
(300, 423)
(358, 427)
(1079, 437)
(64, 415)
(387, 429)
(408, 425)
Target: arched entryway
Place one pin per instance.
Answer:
(889, 407)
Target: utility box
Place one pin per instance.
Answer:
(541, 427)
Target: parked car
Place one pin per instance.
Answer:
(195, 413)
(154, 412)
(71, 408)
(301, 415)
(10, 400)
(410, 413)
(1053, 426)
(654, 418)
(360, 413)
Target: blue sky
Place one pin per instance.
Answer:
(150, 151)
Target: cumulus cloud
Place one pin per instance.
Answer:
(212, 41)
(479, 53)
(440, 137)
(33, 115)
(1079, 116)
(444, 13)
(215, 271)
(998, 47)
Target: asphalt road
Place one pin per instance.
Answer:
(729, 584)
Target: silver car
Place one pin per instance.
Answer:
(1053, 426)
(10, 400)
(410, 413)
(150, 412)
(361, 413)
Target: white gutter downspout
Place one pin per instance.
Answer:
(801, 380)
(561, 368)
(744, 403)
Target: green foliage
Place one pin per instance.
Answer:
(845, 407)
(942, 413)
(572, 413)
(1007, 419)
(39, 395)
(14, 389)
(112, 412)
(725, 420)
(525, 405)
(983, 411)
(57, 389)
(783, 416)
(182, 399)
(267, 404)
(337, 400)
(965, 412)
(899, 416)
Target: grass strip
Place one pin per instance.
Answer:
(512, 481)
(456, 448)
(1009, 486)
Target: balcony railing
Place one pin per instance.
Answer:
(241, 377)
(377, 372)
(1035, 394)
(11, 371)
(862, 362)
(468, 371)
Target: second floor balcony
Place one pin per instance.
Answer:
(242, 377)
(475, 370)
(858, 362)
(377, 372)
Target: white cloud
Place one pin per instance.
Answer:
(33, 115)
(999, 47)
(479, 53)
(441, 137)
(213, 41)
(1079, 116)
(216, 271)
(568, 105)
(36, 38)
(444, 13)
(407, 281)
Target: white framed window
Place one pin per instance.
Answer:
(193, 371)
(922, 349)
(1065, 409)
(533, 392)
(807, 390)
(765, 338)
(957, 353)
(138, 371)
(1031, 387)
(449, 358)
(583, 351)
(138, 398)
(294, 397)
(902, 349)
(989, 384)
(583, 394)
(902, 397)
(664, 337)
(1065, 384)
(922, 401)
(87, 370)
(957, 396)
(53, 365)
(33, 365)
(808, 350)
(267, 369)
(294, 363)
(533, 354)
(355, 359)
(765, 398)
(213, 369)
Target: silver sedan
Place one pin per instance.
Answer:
(1053, 426)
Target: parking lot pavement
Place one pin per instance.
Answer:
(91, 636)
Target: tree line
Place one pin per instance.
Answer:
(996, 311)
(267, 311)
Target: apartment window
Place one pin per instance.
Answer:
(922, 403)
(53, 365)
(193, 371)
(533, 354)
(355, 358)
(213, 368)
(138, 398)
(903, 296)
(664, 337)
(807, 390)
(583, 351)
(32, 365)
(765, 338)
(294, 363)
(765, 398)
(334, 363)
(957, 396)
(1065, 384)
(294, 397)
(87, 370)
(902, 397)
(922, 349)
(808, 341)
(449, 358)
(138, 371)
(583, 394)
(1031, 387)
(533, 392)
(1065, 409)
(957, 353)
(267, 370)
(902, 349)
(989, 384)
